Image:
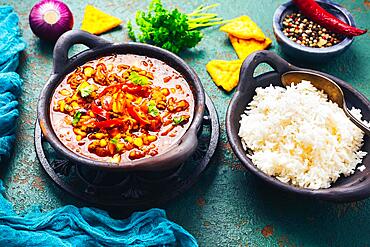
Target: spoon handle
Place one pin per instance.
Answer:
(356, 121)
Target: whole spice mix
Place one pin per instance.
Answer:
(305, 32)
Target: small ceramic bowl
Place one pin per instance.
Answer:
(310, 54)
(352, 188)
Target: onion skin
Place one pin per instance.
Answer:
(44, 30)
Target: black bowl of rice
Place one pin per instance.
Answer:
(294, 138)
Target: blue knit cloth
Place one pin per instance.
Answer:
(11, 43)
(68, 225)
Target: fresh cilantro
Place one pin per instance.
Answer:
(171, 30)
(130, 30)
(178, 120)
(85, 89)
(76, 118)
(152, 109)
(137, 79)
(114, 141)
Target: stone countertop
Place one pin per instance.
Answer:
(229, 206)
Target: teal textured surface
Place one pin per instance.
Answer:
(228, 206)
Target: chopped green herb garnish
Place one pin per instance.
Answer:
(76, 118)
(178, 120)
(85, 89)
(152, 109)
(137, 79)
(171, 29)
(114, 140)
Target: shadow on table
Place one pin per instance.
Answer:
(312, 221)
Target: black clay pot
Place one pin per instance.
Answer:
(99, 47)
(351, 188)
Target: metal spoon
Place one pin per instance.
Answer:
(334, 92)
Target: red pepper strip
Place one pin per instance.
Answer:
(109, 123)
(99, 111)
(128, 88)
(315, 12)
(107, 89)
(138, 115)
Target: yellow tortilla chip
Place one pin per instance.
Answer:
(244, 28)
(225, 74)
(244, 47)
(96, 21)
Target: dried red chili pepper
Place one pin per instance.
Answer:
(316, 13)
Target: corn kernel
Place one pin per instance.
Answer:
(88, 71)
(165, 91)
(65, 92)
(152, 138)
(62, 105)
(99, 135)
(138, 142)
(78, 138)
(75, 105)
(129, 139)
(119, 146)
(103, 143)
(75, 97)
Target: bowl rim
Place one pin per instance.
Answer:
(338, 194)
(333, 49)
(182, 149)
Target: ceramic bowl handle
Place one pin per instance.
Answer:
(252, 61)
(67, 40)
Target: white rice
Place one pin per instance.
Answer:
(301, 138)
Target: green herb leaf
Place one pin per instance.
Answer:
(137, 79)
(178, 120)
(167, 29)
(76, 118)
(85, 89)
(114, 141)
(152, 109)
(130, 30)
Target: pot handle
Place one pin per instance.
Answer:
(252, 61)
(67, 40)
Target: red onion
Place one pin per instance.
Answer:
(50, 18)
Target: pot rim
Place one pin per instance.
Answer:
(174, 155)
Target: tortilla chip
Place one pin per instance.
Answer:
(245, 47)
(96, 21)
(225, 74)
(244, 28)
